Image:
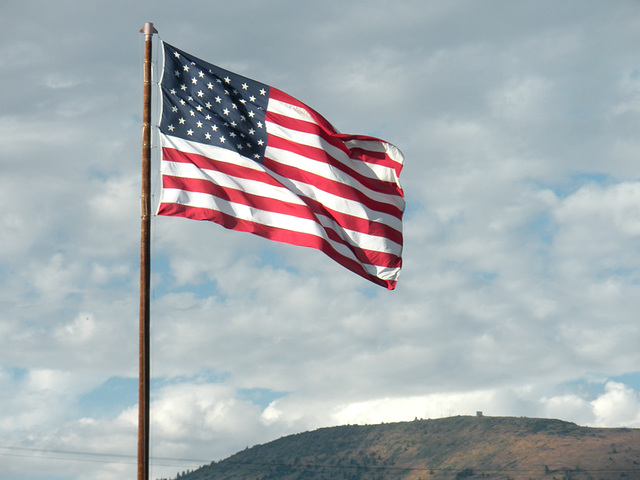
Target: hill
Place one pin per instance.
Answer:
(456, 448)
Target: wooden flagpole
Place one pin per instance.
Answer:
(145, 264)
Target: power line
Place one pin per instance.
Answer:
(95, 457)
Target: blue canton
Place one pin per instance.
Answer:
(210, 105)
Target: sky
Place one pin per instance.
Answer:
(520, 290)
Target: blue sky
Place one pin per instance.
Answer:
(520, 288)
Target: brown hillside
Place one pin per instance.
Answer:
(452, 448)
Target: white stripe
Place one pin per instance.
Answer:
(209, 151)
(371, 170)
(381, 147)
(271, 219)
(331, 201)
(367, 170)
(301, 162)
(289, 192)
(339, 204)
(361, 239)
(253, 187)
(289, 110)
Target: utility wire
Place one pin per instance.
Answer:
(96, 457)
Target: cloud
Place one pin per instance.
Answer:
(618, 406)
(519, 285)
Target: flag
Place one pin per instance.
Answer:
(252, 158)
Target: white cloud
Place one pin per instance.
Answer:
(597, 228)
(520, 268)
(568, 407)
(618, 406)
(522, 99)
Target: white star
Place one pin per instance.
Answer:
(183, 87)
(239, 146)
(189, 132)
(263, 91)
(201, 94)
(256, 156)
(199, 124)
(252, 98)
(210, 85)
(177, 72)
(193, 114)
(227, 80)
(252, 131)
(194, 80)
(207, 136)
(214, 128)
(251, 114)
(208, 117)
(260, 143)
(181, 121)
(225, 111)
(172, 91)
(259, 124)
(176, 54)
(201, 74)
(232, 135)
(208, 104)
(234, 106)
(185, 68)
(222, 139)
(174, 109)
(171, 128)
(182, 102)
(245, 86)
(218, 99)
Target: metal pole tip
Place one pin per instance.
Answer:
(148, 29)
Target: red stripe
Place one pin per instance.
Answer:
(286, 98)
(272, 233)
(304, 126)
(299, 211)
(330, 134)
(357, 224)
(320, 155)
(347, 221)
(206, 163)
(330, 186)
(237, 196)
(338, 141)
(371, 156)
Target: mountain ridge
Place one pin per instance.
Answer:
(462, 447)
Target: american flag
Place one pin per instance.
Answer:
(252, 158)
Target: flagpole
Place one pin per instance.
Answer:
(145, 264)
